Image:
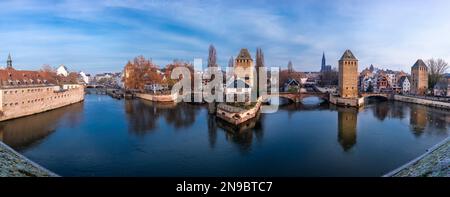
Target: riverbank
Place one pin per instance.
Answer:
(434, 163)
(13, 164)
(423, 101)
(157, 98)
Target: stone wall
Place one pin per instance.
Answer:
(351, 102)
(432, 103)
(156, 98)
(236, 115)
(23, 101)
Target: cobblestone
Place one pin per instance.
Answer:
(12, 164)
(436, 163)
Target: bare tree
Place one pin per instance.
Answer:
(47, 68)
(259, 58)
(259, 64)
(212, 56)
(231, 62)
(436, 70)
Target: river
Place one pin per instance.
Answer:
(103, 136)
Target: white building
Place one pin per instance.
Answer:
(118, 80)
(405, 85)
(238, 86)
(84, 77)
(62, 70)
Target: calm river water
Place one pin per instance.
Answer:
(106, 137)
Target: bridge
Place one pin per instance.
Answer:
(383, 95)
(298, 97)
(95, 86)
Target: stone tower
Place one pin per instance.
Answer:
(9, 62)
(419, 77)
(243, 66)
(347, 127)
(348, 75)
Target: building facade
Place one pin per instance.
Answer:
(348, 75)
(419, 78)
(405, 85)
(25, 93)
(442, 88)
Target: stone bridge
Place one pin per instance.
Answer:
(384, 95)
(298, 97)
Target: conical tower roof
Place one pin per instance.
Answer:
(348, 55)
(419, 63)
(244, 55)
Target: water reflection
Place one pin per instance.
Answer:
(27, 131)
(347, 122)
(186, 140)
(243, 134)
(143, 115)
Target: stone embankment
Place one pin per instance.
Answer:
(13, 164)
(237, 115)
(434, 163)
(157, 98)
(423, 101)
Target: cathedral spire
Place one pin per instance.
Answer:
(323, 60)
(9, 62)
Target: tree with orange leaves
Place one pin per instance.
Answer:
(139, 73)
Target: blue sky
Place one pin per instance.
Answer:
(100, 36)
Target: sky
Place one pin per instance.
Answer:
(101, 36)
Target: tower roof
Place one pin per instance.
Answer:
(9, 62)
(419, 63)
(348, 55)
(244, 54)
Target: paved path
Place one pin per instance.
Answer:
(13, 164)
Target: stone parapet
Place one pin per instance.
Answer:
(13, 164)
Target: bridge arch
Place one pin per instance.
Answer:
(375, 96)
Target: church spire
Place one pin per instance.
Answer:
(323, 60)
(9, 62)
(322, 68)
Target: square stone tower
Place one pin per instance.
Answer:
(243, 66)
(348, 75)
(419, 77)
